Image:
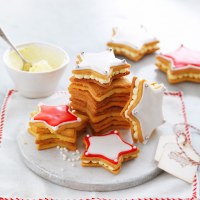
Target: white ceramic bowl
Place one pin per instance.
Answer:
(38, 84)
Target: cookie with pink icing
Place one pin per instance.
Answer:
(133, 43)
(108, 151)
(100, 68)
(144, 109)
(181, 65)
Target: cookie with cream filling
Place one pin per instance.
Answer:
(100, 68)
(133, 43)
(101, 105)
(144, 109)
(108, 124)
(56, 126)
(120, 86)
(99, 109)
(108, 151)
(181, 65)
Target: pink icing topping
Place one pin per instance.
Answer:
(183, 57)
(55, 115)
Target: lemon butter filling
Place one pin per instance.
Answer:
(105, 164)
(93, 77)
(41, 66)
(143, 50)
(177, 76)
(99, 162)
(41, 57)
(163, 66)
(134, 97)
(184, 75)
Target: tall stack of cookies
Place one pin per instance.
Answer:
(99, 90)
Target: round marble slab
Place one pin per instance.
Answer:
(50, 165)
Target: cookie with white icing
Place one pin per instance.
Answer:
(108, 151)
(100, 68)
(180, 65)
(144, 109)
(56, 126)
(133, 43)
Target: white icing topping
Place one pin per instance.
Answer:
(134, 38)
(99, 62)
(149, 110)
(109, 146)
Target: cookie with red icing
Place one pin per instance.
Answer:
(181, 65)
(56, 126)
(108, 151)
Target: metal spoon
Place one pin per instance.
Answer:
(26, 65)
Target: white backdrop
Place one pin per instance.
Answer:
(86, 26)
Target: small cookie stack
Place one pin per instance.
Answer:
(99, 90)
(56, 126)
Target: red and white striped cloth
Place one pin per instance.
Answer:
(18, 182)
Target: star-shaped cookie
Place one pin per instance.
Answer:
(54, 116)
(100, 68)
(181, 65)
(133, 43)
(144, 109)
(56, 126)
(108, 151)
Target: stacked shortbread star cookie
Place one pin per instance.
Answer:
(98, 90)
(56, 126)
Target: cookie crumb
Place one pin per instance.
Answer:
(73, 165)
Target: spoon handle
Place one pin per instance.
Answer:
(3, 35)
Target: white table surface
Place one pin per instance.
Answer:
(78, 25)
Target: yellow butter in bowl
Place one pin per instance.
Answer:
(43, 59)
(48, 65)
(41, 66)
